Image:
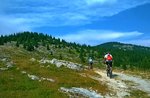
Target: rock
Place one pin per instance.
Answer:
(48, 79)
(3, 69)
(70, 65)
(53, 61)
(23, 72)
(42, 78)
(81, 91)
(43, 61)
(9, 64)
(60, 63)
(51, 80)
(33, 77)
(48, 66)
(4, 59)
(32, 59)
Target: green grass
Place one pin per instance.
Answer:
(14, 84)
(138, 94)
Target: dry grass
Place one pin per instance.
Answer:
(14, 84)
(138, 73)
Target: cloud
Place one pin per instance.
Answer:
(102, 2)
(143, 42)
(12, 25)
(31, 14)
(93, 37)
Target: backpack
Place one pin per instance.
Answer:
(109, 57)
(90, 60)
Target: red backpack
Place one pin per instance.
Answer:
(109, 57)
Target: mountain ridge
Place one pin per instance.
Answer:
(126, 56)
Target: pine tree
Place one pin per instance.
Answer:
(81, 55)
(60, 56)
(124, 67)
(1, 41)
(17, 44)
(48, 47)
(30, 47)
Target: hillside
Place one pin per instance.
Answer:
(22, 74)
(34, 65)
(126, 56)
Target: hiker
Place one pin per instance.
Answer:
(108, 60)
(90, 63)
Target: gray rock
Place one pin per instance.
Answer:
(4, 59)
(32, 59)
(70, 65)
(33, 77)
(51, 80)
(43, 61)
(60, 63)
(82, 91)
(3, 69)
(23, 72)
(9, 64)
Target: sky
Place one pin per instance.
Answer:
(90, 22)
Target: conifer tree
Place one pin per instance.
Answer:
(48, 47)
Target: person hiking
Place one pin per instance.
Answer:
(108, 58)
(90, 63)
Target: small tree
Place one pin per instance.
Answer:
(81, 55)
(30, 47)
(24, 46)
(17, 44)
(1, 42)
(48, 47)
(124, 67)
(60, 56)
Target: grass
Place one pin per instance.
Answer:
(136, 72)
(138, 94)
(135, 93)
(14, 84)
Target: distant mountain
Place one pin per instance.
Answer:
(127, 55)
(118, 45)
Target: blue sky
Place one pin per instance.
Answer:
(89, 22)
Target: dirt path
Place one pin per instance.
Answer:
(119, 87)
(139, 83)
(121, 83)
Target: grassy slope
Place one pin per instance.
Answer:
(15, 84)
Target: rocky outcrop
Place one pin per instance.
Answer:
(7, 64)
(34, 77)
(60, 63)
(77, 92)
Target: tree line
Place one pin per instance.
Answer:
(32, 40)
(126, 56)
